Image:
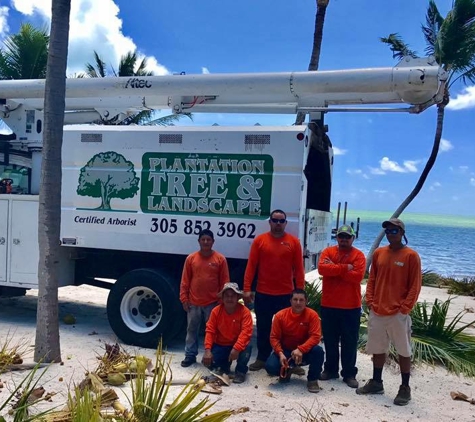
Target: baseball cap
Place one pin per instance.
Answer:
(394, 222)
(231, 286)
(346, 229)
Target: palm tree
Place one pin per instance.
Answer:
(451, 41)
(47, 345)
(24, 55)
(129, 66)
(317, 45)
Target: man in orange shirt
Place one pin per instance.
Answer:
(228, 334)
(276, 257)
(204, 274)
(295, 335)
(342, 267)
(393, 287)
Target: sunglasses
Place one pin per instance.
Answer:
(278, 220)
(391, 231)
(344, 236)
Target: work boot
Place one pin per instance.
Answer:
(313, 387)
(298, 370)
(189, 360)
(239, 378)
(371, 387)
(326, 375)
(403, 396)
(257, 365)
(351, 382)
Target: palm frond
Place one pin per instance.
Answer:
(127, 64)
(169, 119)
(398, 47)
(97, 70)
(434, 21)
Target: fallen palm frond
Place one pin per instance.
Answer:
(437, 339)
(318, 414)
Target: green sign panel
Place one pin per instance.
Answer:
(211, 184)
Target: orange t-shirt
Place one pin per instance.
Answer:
(229, 329)
(291, 331)
(395, 281)
(278, 261)
(203, 278)
(341, 288)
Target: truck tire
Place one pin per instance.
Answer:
(143, 307)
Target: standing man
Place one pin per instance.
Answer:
(204, 274)
(342, 267)
(295, 335)
(228, 334)
(393, 287)
(276, 257)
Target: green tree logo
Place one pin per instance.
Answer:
(108, 175)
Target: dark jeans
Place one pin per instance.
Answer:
(314, 358)
(341, 326)
(265, 306)
(221, 358)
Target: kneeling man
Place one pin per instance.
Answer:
(295, 337)
(228, 334)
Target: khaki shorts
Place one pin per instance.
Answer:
(383, 330)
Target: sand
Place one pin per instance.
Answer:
(267, 400)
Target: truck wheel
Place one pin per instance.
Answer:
(142, 307)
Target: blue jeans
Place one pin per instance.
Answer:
(194, 317)
(221, 358)
(314, 358)
(340, 330)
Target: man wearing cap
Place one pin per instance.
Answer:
(295, 338)
(342, 267)
(228, 334)
(393, 287)
(276, 257)
(204, 274)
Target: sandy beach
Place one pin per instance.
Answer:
(267, 400)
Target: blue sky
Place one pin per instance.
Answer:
(379, 155)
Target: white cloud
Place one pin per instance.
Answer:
(466, 99)
(434, 186)
(472, 181)
(380, 191)
(376, 170)
(205, 71)
(339, 151)
(94, 25)
(3, 21)
(445, 145)
(354, 171)
(408, 166)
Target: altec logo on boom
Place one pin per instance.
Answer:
(137, 83)
(229, 184)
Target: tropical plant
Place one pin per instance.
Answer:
(451, 41)
(463, 287)
(25, 54)
(47, 345)
(435, 340)
(317, 45)
(314, 295)
(431, 279)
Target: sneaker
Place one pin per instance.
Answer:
(257, 365)
(403, 396)
(298, 370)
(189, 360)
(371, 387)
(326, 375)
(313, 387)
(351, 382)
(239, 378)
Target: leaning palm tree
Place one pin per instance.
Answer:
(129, 65)
(451, 41)
(24, 55)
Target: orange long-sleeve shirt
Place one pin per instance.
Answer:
(290, 331)
(229, 329)
(277, 261)
(203, 278)
(341, 288)
(395, 281)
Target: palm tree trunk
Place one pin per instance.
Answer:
(317, 45)
(420, 182)
(47, 345)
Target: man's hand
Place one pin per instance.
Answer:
(233, 355)
(328, 261)
(186, 306)
(248, 298)
(283, 359)
(297, 356)
(207, 358)
(350, 267)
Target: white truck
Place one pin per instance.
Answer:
(134, 198)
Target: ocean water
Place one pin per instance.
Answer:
(445, 243)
